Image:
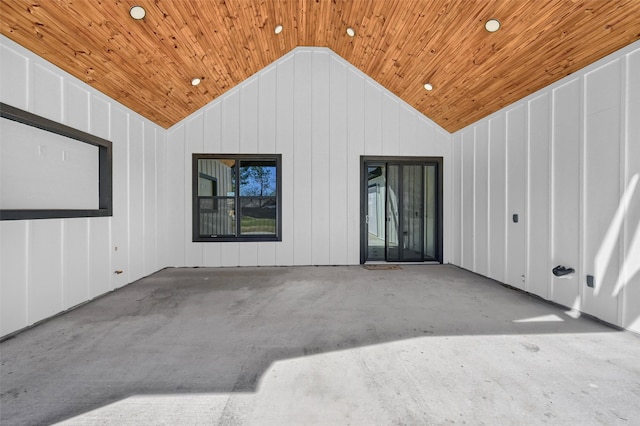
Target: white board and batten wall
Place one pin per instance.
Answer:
(566, 159)
(322, 114)
(50, 265)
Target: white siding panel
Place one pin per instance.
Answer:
(602, 190)
(178, 235)
(136, 200)
(516, 195)
(629, 281)
(442, 146)
(14, 85)
(120, 223)
(566, 190)
(373, 119)
(75, 252)
(285, 146)
(468, 197)
(77, 107)
(356, 148)
(538, 276)
(230, 255)
(406, 127)
(162, 240)
(230, 124)
(267, 112)
(249, 117)
(48, 87)
(456, 204)
(481, 181)
(212, 128)
(427, 144)
(391, 128)
(99, 256)
(321, 160)
(302, 186)
(150, 179)
(247, 254)
(13, 275)
(100, 117)
(497, 197)
(266, 254)
(337, 173)
(44, 289)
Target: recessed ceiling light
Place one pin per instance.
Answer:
(492, 25)
(351, 32)
(428, 86)
(195, 81)
(137, 12)
(278, 29)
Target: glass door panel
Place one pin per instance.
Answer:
(393, 212)
(375, 215)
(412, 236)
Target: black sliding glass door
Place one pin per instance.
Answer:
(400, 215)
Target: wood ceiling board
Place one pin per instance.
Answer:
(147, 65)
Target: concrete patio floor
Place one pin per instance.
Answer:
(320, 346)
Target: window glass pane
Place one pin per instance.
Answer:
(217, 216)
(218, 170)
(258, 178)
(258, 215)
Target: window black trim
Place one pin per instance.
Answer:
(105, 168)
(243, 157)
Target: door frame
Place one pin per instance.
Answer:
(438, 161)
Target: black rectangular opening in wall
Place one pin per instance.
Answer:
(401, 209)
(51, 170)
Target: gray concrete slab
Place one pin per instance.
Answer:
(320, 346)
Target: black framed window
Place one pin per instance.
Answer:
(236, 197)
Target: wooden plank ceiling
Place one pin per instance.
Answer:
(147, 65)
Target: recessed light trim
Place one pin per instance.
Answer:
(137, 12)
(195, 81)
(428, 86)
(351, 32)
(492, 25)
(278, 29)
